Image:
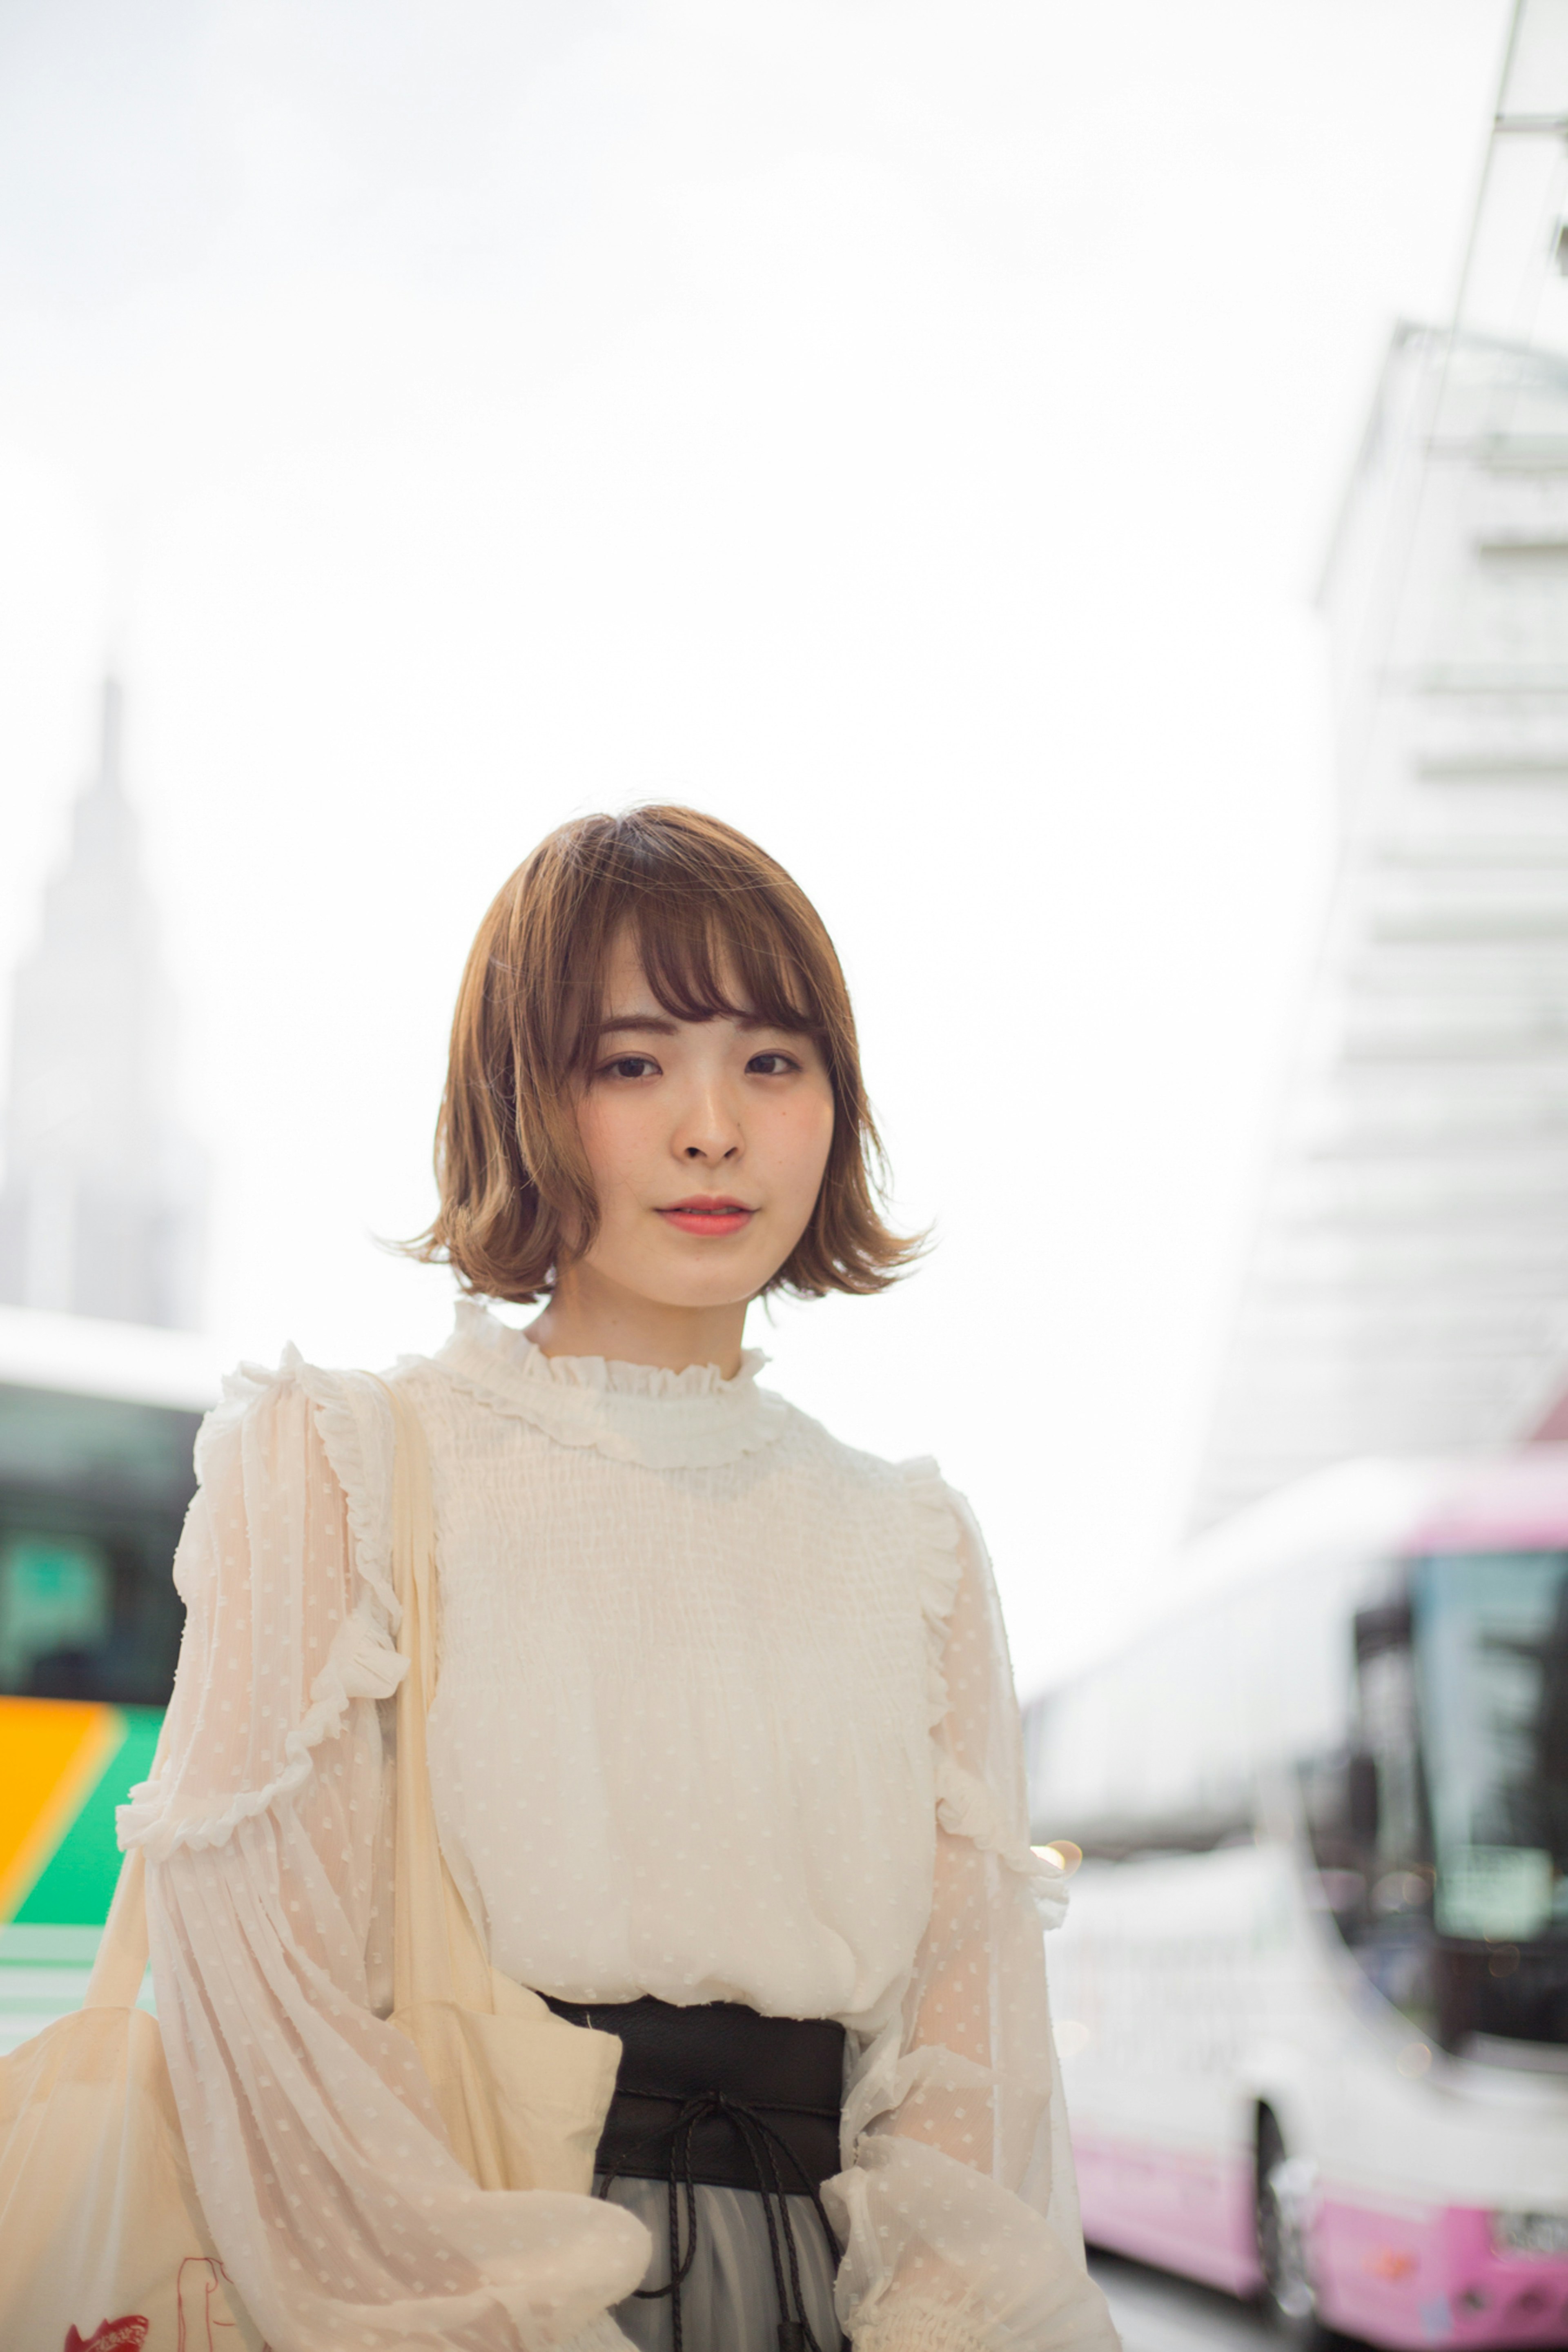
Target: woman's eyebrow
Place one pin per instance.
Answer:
(657, 1023)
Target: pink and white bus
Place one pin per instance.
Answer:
(1312, 1997)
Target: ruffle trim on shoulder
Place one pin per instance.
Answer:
(967, 1807)
(242, 1389)
(938, 1535)
(353, 1419)
(356, 1429)
(360, 1663)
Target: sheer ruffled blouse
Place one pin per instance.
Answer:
(723, 1713)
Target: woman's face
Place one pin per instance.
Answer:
(706, 1142)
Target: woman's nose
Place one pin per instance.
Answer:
(711, 1131)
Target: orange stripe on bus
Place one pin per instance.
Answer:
(53, 1753)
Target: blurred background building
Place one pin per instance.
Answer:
(1407, 1290)
(101, 1209)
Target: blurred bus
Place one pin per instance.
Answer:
(1312, 1996)
(97, 1426)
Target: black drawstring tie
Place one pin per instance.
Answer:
(717, 2095)
(764, 2146)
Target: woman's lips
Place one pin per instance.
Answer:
(708, 1216)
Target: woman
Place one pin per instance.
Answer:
(724, 1752)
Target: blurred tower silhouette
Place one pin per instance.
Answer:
(101, 1208)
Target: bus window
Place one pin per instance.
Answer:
(55, 1595)
(1366, 1817)
(1491, 1645)
(93, 1491)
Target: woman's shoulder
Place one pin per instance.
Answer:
(255, 1396)
(910, 1495)
(277, 1428)
(915, 1479)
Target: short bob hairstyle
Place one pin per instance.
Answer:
(710, 913)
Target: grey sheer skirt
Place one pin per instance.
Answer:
(729, 2299)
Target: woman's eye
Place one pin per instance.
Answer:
(631, 1066)
(772, 1065)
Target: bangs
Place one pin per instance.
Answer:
(707, 958)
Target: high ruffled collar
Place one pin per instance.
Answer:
(633, 1412)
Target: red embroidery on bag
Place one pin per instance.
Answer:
(199, 2288)
(201, 2277)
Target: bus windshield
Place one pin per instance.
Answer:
(1490, 1632)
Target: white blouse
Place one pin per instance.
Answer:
(724, 1714)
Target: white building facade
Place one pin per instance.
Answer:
(1409, 1285)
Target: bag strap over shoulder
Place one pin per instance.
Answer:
(436, 1951)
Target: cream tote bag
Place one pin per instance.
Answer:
(102, 2243)
(103, 2247)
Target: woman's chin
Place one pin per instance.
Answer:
(704, 1290)
(707, 1297)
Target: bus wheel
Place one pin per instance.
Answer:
(1284, 2187)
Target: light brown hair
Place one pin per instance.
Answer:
(703, 905)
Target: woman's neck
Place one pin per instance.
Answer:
(587, 1316)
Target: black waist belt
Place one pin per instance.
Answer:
(721, 2096)
(785, 2072)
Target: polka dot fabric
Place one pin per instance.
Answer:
(723, 1713)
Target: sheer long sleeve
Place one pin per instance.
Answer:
(335, 2200)
(960, 2207)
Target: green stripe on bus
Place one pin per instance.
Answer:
(74, 1887)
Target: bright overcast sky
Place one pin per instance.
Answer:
(908, 430)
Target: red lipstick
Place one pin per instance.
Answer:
(709, 1213)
